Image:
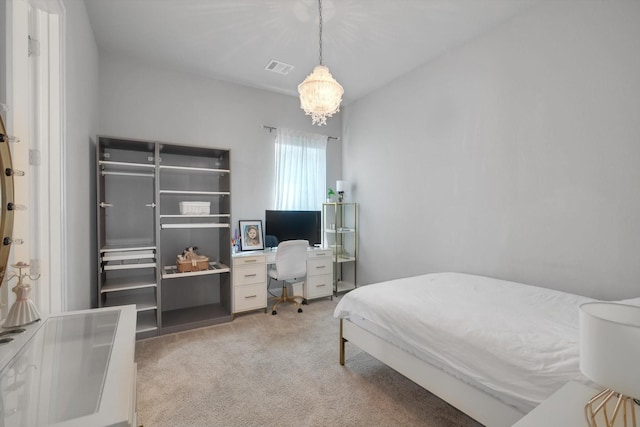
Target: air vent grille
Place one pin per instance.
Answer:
(278, 67)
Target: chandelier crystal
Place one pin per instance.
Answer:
(320, 93)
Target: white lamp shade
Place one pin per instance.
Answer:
(342, 186)
(610, 346)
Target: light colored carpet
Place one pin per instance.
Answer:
(283, 370)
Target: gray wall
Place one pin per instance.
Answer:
(146, 102)
(515, 156)
(81, 113)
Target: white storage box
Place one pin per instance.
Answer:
(195, 208)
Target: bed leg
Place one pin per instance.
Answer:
(342, 341)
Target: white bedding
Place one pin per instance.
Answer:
(517, 340)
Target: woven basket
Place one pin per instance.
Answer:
(198, 263)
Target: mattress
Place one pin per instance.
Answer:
(515, 341)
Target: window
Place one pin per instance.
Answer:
(301, 170)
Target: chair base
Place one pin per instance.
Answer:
(286, 298)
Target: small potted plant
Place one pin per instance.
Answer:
(330, 194)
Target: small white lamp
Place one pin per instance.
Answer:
(341, 188)
(609, 356)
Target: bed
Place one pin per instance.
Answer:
(492, 348)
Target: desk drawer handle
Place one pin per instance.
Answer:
(319, 286)
(250, 275)
(250, 296)
(249, 260)
(320, 266)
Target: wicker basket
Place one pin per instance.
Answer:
(198, 263)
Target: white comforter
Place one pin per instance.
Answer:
(517, 340)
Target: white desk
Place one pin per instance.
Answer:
(565, 408)
(249, 277)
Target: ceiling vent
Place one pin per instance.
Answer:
(278, 67)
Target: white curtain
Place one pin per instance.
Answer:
(301, 170)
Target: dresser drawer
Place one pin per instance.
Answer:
(317, 266)
(249, 297)
(319, 286)
(239, 261)
(247, 274)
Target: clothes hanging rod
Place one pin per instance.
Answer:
(272, 128)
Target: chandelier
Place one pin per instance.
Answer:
(320, 93)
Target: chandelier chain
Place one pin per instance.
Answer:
(320, 10)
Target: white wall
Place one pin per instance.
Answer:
(81, 93)
(515, 156)
(145, 102)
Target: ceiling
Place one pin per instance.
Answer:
(365, 43)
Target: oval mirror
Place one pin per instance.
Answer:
(6, 197)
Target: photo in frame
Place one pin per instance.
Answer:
(251, 235)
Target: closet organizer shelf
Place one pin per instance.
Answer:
(129, 283)
(197, 216)
(196, 225)
(127, 254)
(196, 193)
(128, 247)
(171, 271)
(192, 169)
(117, 165)
(144, 214)
(128, 264)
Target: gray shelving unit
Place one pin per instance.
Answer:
(141, 231)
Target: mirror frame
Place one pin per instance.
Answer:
(6, 197)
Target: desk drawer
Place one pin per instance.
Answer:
(317, 266)
(239, 261)
(249, 274)
(319, 286)
(249, 297)
(316, 253)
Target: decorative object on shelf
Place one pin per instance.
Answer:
(251, 235)
(320, 93)
(190, 260)
(195, 208)
(235, 242)
(609, 354)
(341, 188)
(330, 194)
(23, 311)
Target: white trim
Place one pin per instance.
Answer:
(17, 123)
(35, 95)
(47, 233)
(55, 242)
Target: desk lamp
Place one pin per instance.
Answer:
(610, 357)
(341, 187)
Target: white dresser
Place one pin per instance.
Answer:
(75, 369)
(319, 281)
(249, 283)
(250, 277)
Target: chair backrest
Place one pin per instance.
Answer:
(291, 259)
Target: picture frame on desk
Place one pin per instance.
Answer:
(251, 235)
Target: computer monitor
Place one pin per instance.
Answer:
(292, 225)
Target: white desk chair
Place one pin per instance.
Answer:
(291, 264)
